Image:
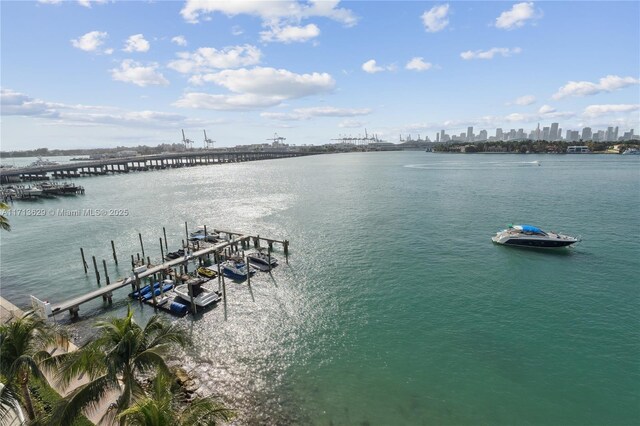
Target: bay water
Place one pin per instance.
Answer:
(396, 308)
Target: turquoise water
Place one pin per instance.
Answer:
(396, 308)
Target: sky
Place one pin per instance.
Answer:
(87, 74)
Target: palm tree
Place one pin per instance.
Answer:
(4, 222)
(113, 361)
(23, 351)
(158, 409)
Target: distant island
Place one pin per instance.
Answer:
(536, 147)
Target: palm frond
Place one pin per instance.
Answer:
(205, 411)
(87, 396)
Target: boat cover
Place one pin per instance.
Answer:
(530, 228)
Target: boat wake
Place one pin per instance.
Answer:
(463, 165)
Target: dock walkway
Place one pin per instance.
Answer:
(73, 305)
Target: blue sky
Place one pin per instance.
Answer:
(103, 73)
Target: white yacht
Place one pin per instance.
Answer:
(532, 236)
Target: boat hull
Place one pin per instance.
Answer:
(533, 243)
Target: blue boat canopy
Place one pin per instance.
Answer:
(532, 229)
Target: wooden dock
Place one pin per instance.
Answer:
(140, 163)
(235, 241)
(106, 292)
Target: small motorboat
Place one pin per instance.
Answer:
(236, 269)
(207, 272)
(261, 258)
(166, 286)
(202, 296)
(174, 254)
(532, 236)
(199, 235)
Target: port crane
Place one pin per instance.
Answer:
(208, 142)
(186, 141)
(276, 138)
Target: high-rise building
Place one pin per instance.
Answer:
(483, 135)
(442, 136)
(437, 137)
(553, 133)
(608, 136)
(499, 134)
(520, 134)
(545, 133)
(615, 134)
(586, 134)
(470, 134)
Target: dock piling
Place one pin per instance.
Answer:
(141, 245)
(106, 274)
(224, 297)
(164, 232)
(84, 262)
(95, 267)
(193, 304)
(161, 252)
(113, 249)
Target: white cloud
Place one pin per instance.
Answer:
(135, 73)
(179, 40)
(236, 30)
(418, 64)
(546, 109)
(199, 100)
(271, 12)
(50, 1)
(436, 19)
(256, 88)
(136, 43)
(90, 42)
(208, 59)
(519, 14)
(308, 113)
(19, 104)
(372, 67)
(271, 82)
(586, 88)
(524, 100)
(87, 3)
(599, 110)
(489, 54)
(15, 103)
(351, 124)
(289, 33)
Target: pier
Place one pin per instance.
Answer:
(141, 269)
(139, 163)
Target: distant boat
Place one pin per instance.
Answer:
(31, 192)
(42, 163)
(532, 236)
(631, 151)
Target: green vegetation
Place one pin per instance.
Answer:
(125, 359)
(23, 350)
(4, 222)
(158, 408)
(528, 146)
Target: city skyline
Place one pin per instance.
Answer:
(97, 75)
(547, 133)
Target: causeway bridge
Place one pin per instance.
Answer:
(139, 163)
